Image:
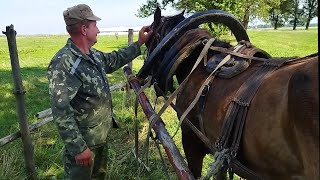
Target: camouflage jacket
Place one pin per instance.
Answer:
(80, 96)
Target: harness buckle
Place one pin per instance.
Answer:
(218, 145)
(204, 42)
(205, 90)
(233, 154)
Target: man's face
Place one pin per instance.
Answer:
(91, 32)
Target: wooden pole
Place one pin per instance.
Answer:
(174, 156)
(19, 94)
(44, 113)
(5, 140)
(130, 41)
(129, 94)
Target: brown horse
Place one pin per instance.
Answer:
(280, 139)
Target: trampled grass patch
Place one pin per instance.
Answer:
(35, 52)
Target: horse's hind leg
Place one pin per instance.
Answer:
(194, 151)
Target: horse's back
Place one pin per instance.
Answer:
(282, 128)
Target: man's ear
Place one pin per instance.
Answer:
(83, 30)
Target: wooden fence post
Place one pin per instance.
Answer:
(130, 41)
(21, 111)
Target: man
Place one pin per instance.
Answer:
(79, 92)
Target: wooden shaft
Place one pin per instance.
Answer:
(168, 144)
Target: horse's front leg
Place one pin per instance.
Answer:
(194, 150)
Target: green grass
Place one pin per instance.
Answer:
(286, 43)
(35, 52)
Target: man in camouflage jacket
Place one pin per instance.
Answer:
(79, 92)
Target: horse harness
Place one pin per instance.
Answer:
(227, 63)
(228, 142)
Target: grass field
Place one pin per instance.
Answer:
(35, 52)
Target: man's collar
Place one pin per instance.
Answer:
(75, 50)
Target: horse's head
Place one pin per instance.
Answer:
(161, 26)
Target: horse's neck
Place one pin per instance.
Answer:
(183, 44)
(185, 68)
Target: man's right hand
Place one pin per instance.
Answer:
(84, 158)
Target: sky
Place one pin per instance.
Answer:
(45, 16)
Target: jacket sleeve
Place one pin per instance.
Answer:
(117, 59)
(63, 87)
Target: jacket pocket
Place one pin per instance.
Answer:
(97, 134)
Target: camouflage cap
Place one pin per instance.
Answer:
(78, 13)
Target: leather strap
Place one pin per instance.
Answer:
(200, 135)
(244, 171)
(174, 94)
(205, 83)
(234, 121)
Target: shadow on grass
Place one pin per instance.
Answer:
(36, 97)
(47, 144)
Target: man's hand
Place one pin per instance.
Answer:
(84, 158)
(144, 34)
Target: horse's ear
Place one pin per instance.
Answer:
(157, 14)
(182, 13)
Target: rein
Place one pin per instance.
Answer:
(174, 94)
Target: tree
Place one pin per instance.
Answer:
(242, 9)
(190, 6)
(276, 18)
(311, 9)
(278, 15)
(148, 9)
(249, 9)
(297, 16)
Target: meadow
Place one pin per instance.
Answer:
(35, 53)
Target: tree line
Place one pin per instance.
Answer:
(276, 12)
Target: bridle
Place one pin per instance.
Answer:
(156, 38)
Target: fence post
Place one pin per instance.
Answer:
(21, 111)
(129, 99)
(130, 41)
